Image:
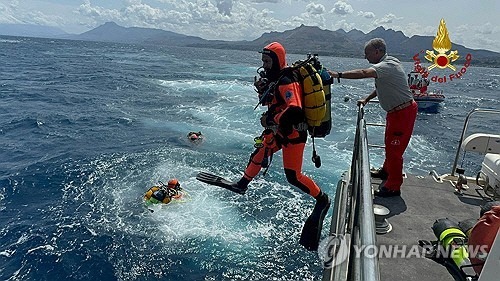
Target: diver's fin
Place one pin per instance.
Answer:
(311, 232)
(219, 181)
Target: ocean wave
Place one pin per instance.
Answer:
(10, 41)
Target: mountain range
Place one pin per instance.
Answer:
(301, 40)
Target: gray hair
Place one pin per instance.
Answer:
(377, 44)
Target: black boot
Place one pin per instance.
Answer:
(322, 205)
(241, 186)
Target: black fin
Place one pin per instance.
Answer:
(219, 181)
(311, 232)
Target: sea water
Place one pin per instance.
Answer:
(86, 128)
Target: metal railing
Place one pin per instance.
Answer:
(466, 124)
(353, 215)
(369, 264)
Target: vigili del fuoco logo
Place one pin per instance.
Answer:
(441, 57)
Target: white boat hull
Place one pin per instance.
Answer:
(428, 100)
(428, 104)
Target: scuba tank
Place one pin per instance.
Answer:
(316, 86)
(325, 126)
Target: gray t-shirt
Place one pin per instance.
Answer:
(391, 83)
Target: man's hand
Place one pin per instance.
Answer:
(333, 74)
(261, 84)
(363, 101)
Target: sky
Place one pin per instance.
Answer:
(472, 23)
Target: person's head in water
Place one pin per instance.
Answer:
(173, 184)
(194, 136)
(273, 60)
(375, 49)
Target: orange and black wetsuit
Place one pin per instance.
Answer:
(285, 110)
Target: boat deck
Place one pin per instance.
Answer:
(422, 201)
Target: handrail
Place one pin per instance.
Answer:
(354, 215)
(466, 123)
(369, 263)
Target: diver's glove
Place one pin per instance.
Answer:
(261, 85)
(266, 120)
(302, 126)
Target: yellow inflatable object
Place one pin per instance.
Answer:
(149, 193)
(148, 196)
(314, 95)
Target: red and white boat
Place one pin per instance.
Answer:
(425, 99)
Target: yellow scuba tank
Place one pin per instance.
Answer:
(315, 82)
(313, 95)
(316, 88)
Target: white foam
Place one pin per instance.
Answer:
(8, 253)
(43, 247)
(9, 41)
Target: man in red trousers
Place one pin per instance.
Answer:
(395, 97)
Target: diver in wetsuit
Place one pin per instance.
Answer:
(163, 193)
(279, 89)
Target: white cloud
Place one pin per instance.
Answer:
(342, 8)
(464, 28)
(266, 1)
(486, 28)
(237, 19)
(477, 37)
(342, 24)
(481, 42)
(209, 19)
(389, 18)
(6, 15)
(413, 28)
(315, 9)
(43, 19)
(14, 3)
(225, 6)
(133, 2)
(95, 14)
(13, 13)
(368, 15)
